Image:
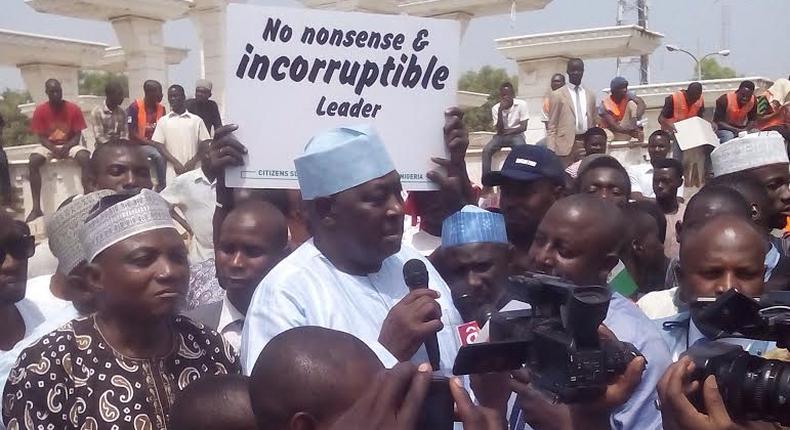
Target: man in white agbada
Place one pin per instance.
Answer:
(349, 277)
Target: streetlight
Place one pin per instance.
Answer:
(723, 53)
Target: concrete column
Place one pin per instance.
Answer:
(534, 79)
(210, 27)
(143, 45)
(36, 75)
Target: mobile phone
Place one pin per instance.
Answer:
(437, 409)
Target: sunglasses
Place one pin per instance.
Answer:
(20, 249)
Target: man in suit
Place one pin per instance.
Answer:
(253, 238)
(571, 112)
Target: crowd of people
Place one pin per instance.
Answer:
(288, 309)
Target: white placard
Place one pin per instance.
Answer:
(292, 73)
(694, 132)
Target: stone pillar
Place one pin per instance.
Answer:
(534, 80)
(143, 45)
(36, 75)
(210, 26)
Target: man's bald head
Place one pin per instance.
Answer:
(268, 220)
(715, 200)
(309, 373)
(214, 403)
(579, 239)
(721, 253)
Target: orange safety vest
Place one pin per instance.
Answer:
(142, 116)
(737, 115)
(680, 108)
(778, 118)
(617, 110)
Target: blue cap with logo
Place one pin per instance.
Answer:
(527, 163)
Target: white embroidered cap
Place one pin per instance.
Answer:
(115, 219)
(748, 152)
(63, 227)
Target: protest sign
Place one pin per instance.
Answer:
(292, 73)
(694, 132)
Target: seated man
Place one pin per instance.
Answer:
(252, 240)
(621, 112)
(133, 350)
(18, 315)
(473, 259)
(604, 177)
(109, 118)
(58, 124)
(594, 143)
(214, 403)
(680, 105)
(735, 112)
(716, 255)
(579, 240)
(510, 118)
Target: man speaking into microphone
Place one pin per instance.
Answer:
(350, 275)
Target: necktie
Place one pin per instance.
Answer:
(579, 119)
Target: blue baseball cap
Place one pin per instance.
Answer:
(527, 163)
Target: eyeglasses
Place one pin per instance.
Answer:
(21, 249)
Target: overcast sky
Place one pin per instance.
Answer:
(758, 36)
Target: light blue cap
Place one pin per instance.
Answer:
(340, 159)
(473, 225)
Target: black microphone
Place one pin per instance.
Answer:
(416, 276)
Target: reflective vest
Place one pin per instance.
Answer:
(737, 115)
(776, 117)
(680, 108)
(142, 116)
(617, 110)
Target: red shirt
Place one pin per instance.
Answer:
(58, 126)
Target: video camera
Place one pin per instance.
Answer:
(753, 388)
(557, 339)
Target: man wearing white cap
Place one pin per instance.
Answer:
(762, 156)
(349, 277)
(125, 364)
(63, 301)
(203, 107)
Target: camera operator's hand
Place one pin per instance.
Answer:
(472, 416)
(410, 322)
(393, 401)
(678, 413)
(539, 412)
(621, 388)
(492, 390)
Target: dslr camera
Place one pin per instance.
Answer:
(556, 338)
(753, 388)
